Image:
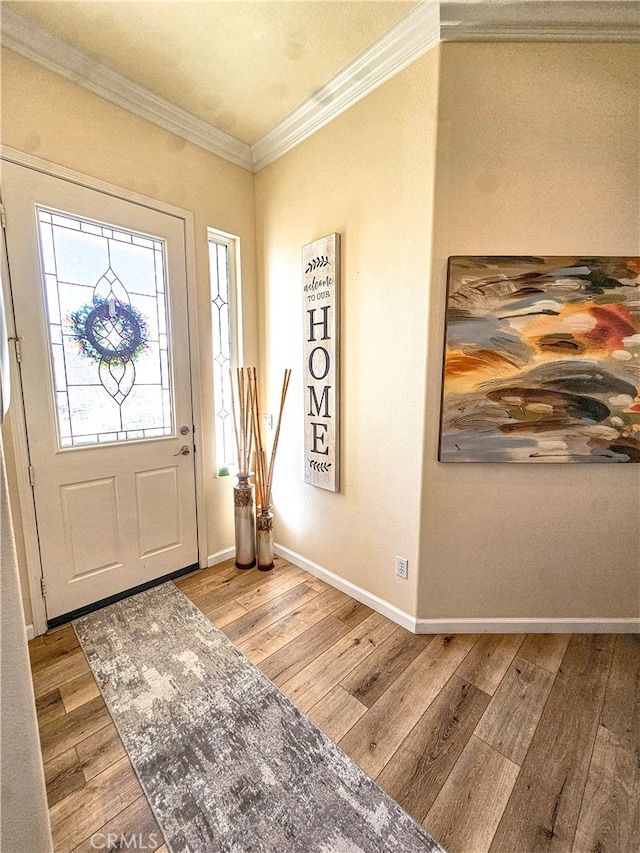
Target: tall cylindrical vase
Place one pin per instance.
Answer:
(264, 536)
(245, 523)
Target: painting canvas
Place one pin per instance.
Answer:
(542, 360)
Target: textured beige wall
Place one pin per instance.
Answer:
(538, 153)
(25, 820)
(52, 118)
(369, 176)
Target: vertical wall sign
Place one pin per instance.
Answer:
(321, 368)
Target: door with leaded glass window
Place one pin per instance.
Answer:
(100, 302)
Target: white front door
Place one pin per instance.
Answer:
(100, 302)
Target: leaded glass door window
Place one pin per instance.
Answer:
(108, 330)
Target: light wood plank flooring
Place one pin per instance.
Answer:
(507, 743)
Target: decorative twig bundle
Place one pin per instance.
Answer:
(242, 419)
(263, 466)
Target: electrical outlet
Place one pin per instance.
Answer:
(402, 567)
(267, 420)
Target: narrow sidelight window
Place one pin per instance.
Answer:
(226, 340)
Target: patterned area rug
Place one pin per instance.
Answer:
(228, 763)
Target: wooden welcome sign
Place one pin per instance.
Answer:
(321, 369)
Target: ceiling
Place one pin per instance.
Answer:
(251, 80)
(240, 66)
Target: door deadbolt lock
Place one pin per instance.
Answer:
(185, 450)
(185, 430)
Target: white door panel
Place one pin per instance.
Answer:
(99, 292)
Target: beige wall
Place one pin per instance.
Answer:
(25, 820)
(538, 152)
(52, 118)
(369, 176)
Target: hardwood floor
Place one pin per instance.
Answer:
(507, 743)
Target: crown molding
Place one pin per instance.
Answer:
(37, 44)
(413, 36)
(539, 32)
(422, 29)
(540, 20)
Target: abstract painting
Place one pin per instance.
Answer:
(542, 360)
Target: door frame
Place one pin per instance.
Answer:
(16, 415)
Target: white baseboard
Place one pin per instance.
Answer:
(461, 626)
(527, 626)
(378, 604)
(220, 556)
(30, 632)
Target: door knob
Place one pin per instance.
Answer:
(185, 450)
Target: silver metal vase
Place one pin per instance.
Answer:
(264, 536)
(245, 523)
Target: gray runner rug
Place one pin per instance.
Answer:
(227, 762)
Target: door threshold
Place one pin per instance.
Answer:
(127, 593)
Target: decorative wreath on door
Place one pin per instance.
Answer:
(110, 331)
